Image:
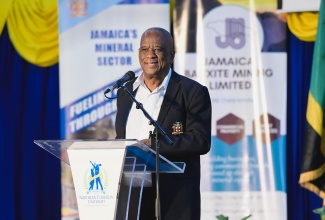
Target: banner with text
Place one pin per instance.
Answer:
(99, 43)
(239, 53)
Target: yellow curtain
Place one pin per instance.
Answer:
(4, 9)
(303, 25)
(33, 29)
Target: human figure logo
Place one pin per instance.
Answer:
(96, 175)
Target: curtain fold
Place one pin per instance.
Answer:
(29, 100)
(301, 202)
(33, 29)
(303, 25)
(5, 6)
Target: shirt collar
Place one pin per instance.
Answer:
(139, 81)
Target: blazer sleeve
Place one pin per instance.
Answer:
(191, 107)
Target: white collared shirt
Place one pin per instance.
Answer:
(137, 126)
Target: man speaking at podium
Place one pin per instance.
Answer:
(182, 107)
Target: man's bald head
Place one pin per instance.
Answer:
(168, 39)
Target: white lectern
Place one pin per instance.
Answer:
(109, 175)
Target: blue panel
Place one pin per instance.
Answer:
(241, 166)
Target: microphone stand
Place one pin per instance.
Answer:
(157, 134)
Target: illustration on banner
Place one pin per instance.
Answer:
(78, 8)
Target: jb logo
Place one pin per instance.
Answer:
(234, 32)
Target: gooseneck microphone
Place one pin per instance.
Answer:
(127, 77)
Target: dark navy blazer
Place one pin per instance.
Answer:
(188, 102)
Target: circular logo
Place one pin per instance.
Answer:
(230, 28)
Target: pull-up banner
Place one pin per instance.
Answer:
(99, 43)
(239, 53)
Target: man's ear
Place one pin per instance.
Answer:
(172, 56)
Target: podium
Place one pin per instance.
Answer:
(109, 175)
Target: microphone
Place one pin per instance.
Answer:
(127, 77)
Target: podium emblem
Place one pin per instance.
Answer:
(177, 128)
(96, 180)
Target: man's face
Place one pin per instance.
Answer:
(155, 54)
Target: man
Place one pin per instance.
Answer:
(174, 101)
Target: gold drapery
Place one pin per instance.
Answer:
(33, 29)
(303, 25)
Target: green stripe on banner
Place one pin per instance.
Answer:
(313, 169)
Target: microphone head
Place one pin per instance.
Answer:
(130, 75)
(127, 77)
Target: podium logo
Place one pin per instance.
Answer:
(96, 180)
